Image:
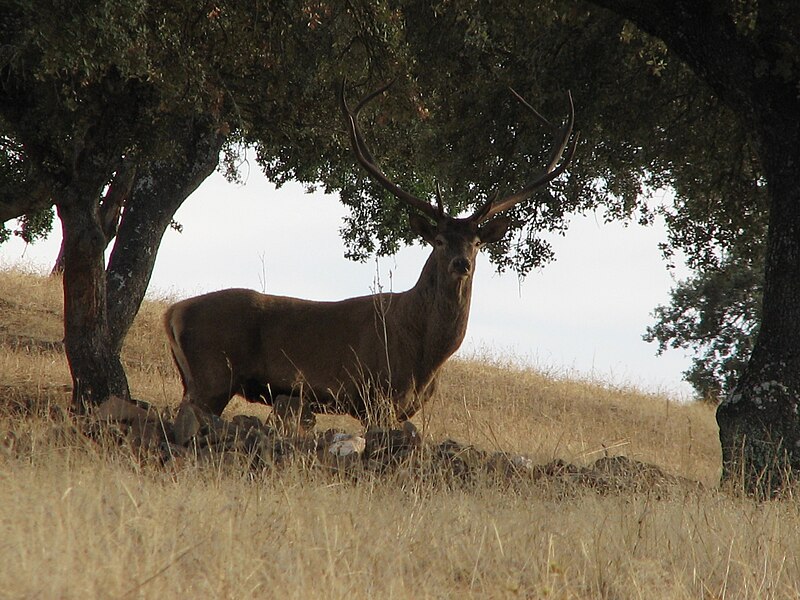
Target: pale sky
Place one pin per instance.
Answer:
(582, 315)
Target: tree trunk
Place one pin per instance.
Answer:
(110, 208)
(97, 372)
(158, 193)
(100, 304)
(759, 422)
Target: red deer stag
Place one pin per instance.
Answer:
(359, 356)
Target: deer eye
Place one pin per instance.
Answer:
(439, 242)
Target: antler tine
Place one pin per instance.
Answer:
(439, 200)
(562, 143)
(362, 103)
(481, 214)
(366, 159)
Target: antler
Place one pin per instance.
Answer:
(553, 170)
(366, 160)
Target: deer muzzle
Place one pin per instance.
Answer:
(460, 267)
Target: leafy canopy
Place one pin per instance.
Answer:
(120, 78)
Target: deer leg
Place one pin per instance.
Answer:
(213, 402)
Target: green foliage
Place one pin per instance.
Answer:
(89, 80)
(646, 122)
(30, 227)
(268, 74)
(716, 314)
(722, 236)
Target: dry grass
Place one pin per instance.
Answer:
(80, 518)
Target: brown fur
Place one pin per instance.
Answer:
(340, 356)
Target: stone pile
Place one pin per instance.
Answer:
(190, 436)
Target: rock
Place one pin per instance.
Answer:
(339, 451)
(217, 432)
(558, 467)
(118, 409)
(391, 445)
(522, 462)
(133, 422)
(172, 453)
(412, 434)
(146, 436)
(513, 465)
(265, 449)
(247, 422)
(331, 435)
(459, 461)
(620, 473)
(344, 444)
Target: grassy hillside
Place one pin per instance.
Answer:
(82, 517)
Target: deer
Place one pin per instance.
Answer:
(373, 357)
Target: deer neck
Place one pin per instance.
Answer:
(440, 305)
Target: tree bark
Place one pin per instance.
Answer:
(100, 304)
(97, 372)
(157, 194)
(110, 208)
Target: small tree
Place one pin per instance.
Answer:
(716, 314)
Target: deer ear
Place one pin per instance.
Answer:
(422, 227)
(494, 230)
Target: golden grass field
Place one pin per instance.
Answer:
(84, 519)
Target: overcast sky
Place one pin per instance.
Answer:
(582, 315)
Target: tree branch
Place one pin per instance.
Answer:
(703, 36)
